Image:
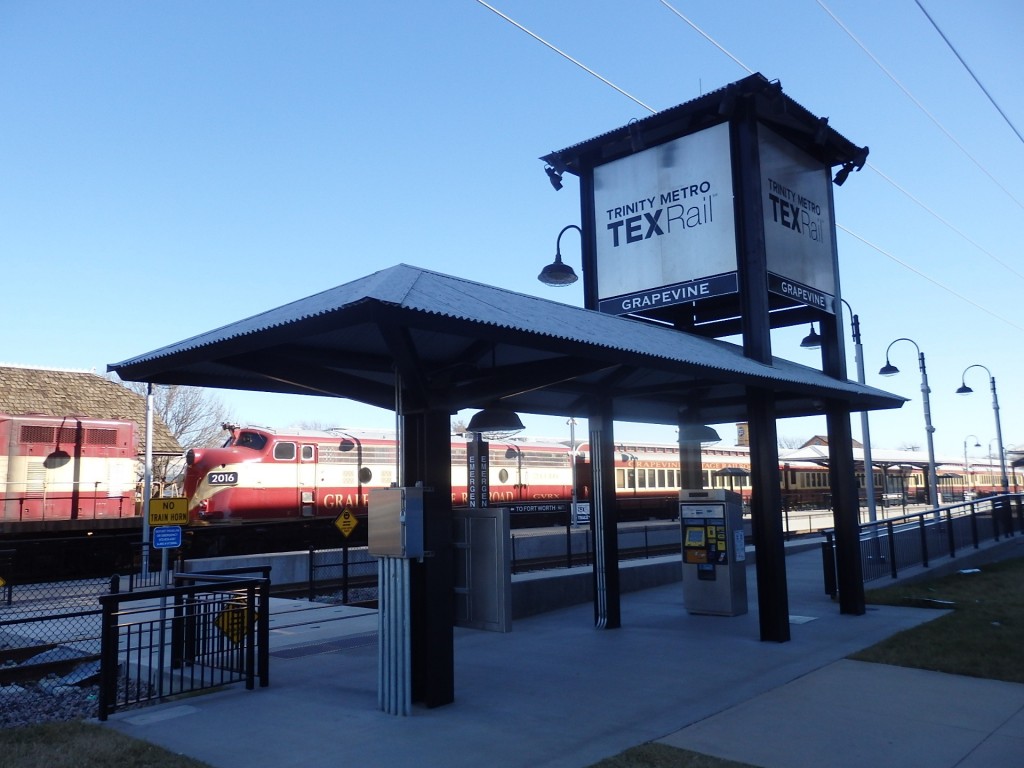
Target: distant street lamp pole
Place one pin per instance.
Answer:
(967, 466)
(965, 390)
(515, 452)
(812, 341)
(346, 445)
(631, 457)
(891, 370)
(572, 459)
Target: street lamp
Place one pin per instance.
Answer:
(813, 341)
(967, 467)
(631, 457)
(557, 273)
(891, 370)
(363, 474)
(515, 452)
(965, 390)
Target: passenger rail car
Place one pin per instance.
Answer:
(66, 468)
(262, 474)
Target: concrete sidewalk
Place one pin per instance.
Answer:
(557, 692)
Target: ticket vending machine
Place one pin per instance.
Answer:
(714, 552)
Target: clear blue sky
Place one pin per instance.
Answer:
(171, 167)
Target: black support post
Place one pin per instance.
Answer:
(765, 511)
(426, 458)
(766, 498)
(604, 520)
(842, 476)
(845, 510)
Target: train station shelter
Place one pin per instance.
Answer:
(427, 345)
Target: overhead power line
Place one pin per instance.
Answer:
(969, 70)
(870, 165)
(563, 54)
(931, 280)
(919, 105)
(707, 37)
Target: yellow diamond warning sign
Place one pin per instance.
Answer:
(346, 522)
(171, 511)
(233, 621)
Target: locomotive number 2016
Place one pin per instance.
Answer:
(222, 478)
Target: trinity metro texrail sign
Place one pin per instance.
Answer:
(713, 211)
(666, 224)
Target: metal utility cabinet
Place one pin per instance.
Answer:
(714, 552)
(395, 523)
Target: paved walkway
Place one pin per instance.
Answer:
(557, 692)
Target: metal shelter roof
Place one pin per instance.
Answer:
(460, 344)
(810, 133)
(880, 458)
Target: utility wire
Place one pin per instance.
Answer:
(741, 64)
(562, 53)
(947, 223)
(969, 70)
(870, 165)
(931, 280)
(707, 37)
(919, 105)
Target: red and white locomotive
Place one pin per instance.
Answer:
(56, 468)
(262, 474)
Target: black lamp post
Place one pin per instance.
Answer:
(812, 341)
(967, 466)
(965, 390)
(346, 445)
(631, 457)
(891, 370)
(515, 452)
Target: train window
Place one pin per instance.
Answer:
(284, 451)
(661, 478)
(620, 478)
(641, 477)
(252, 440)
(308, 453)
(503, 475)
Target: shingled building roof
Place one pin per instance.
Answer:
(79, 393)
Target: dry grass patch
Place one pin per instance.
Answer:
(982, 634)
(662, 756)
(82, 745)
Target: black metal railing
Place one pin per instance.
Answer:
(891, 546)
(346, 575)
(209, 630)
(92, 504)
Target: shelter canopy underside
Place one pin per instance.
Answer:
(458, 344)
